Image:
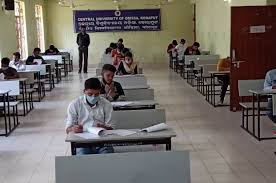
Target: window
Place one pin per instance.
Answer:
(20, 25)
(40, 27)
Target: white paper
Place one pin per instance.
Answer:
(38, 61)
(96, 130)
(159, 127)
(257, 29)
(86, 135)
(121, 103)
(121, 133)
(2, 76)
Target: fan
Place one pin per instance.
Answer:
(69, 3)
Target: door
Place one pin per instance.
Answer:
(253, 40)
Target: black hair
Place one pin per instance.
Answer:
(108, 50)
(174, 42)
(129, 54)
(52, 47)
(125, 50)
(5, 61)
(183, 41)
(121, 40)
(83, 27)
(92, 83)
(37, 49)
(109, 67)
(113, 45)
(196, 44)
(17, 54)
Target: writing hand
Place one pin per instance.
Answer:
(77, 128)
(101, 125)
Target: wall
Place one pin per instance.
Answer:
(8, 42)
(148, 46)
(271, 2)
(213, 23)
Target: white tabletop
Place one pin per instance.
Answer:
(32, 71)
(263, 92)
(3, 92)
(219, 72)
(134, 167)
(134, 103)
(169, 133)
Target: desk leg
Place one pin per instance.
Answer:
(25, 107)
(169, 145)
(253, 115)
(73, 149)
(258, 117)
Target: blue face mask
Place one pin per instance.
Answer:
(92, 99)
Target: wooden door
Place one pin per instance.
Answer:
(253, 40)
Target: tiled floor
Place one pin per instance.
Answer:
(220, 151)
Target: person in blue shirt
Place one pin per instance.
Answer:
(270, 83)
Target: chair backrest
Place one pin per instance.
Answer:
(206, 68)
(12, 85)
(53, 57)
(204, 62)
(139, 94)
(137, 119)
(29, 75)
(41, 68)
(189, 58)
(246, 85)
(52, 63)
(137, 167)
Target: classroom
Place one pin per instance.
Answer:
(137, 91)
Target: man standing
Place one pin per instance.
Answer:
(83, 40)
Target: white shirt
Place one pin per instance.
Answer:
(180, 50)
(79, 112)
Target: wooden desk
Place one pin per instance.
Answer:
(211, 93)
(134, 105)
(140, 138)
(134, 167)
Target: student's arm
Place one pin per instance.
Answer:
(120, 68)
(268, 82)
(29, 61)
(72, 120)
(78, 37)
(88, 41)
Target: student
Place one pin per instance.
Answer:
(17, 63)
(113, 46)
(171, 49)
(128, 66)
(120, 43)
(52, 50)
(32, 60)
(90, 110)
(193, 50)
(107, 56)
(118, 57)
(224, 65)
(270, 83)
(180, 48)
(124, 51)
(6, 70)
(111, 90)
(83, 41)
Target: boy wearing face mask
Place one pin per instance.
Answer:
(90, 110)
(111, 90)
(128, 66)
(7, 71)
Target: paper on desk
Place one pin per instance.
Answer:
(86, 135)
(159, 127)
(121, 133)
(38, 61)
(122, 103)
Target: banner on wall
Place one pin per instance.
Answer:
(117, 20)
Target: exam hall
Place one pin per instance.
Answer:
(137, 91)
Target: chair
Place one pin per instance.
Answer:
(244, 87)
